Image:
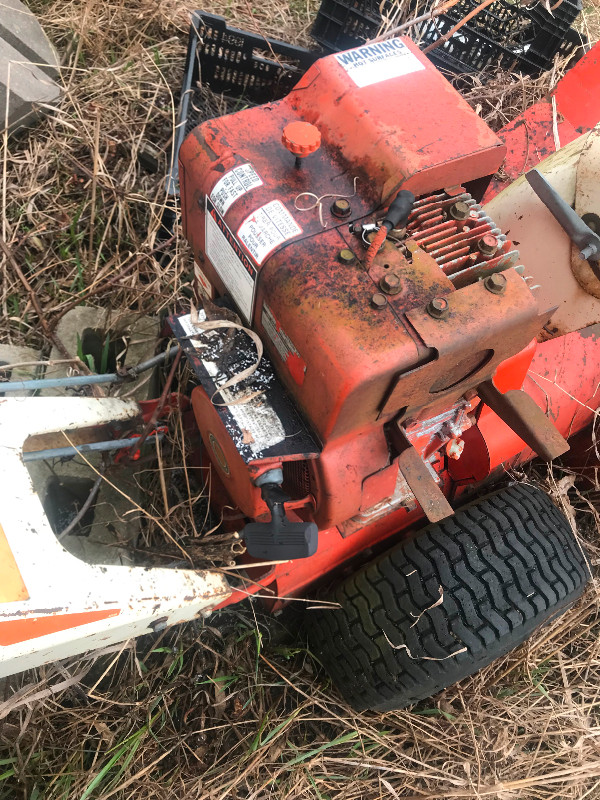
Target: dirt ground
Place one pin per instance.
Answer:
(236, 707)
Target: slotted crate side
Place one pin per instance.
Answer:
(513, 36)
(245, 68)
(245, 65)
(342, 24)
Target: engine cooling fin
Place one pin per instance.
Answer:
(455, 243)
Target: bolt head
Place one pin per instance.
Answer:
(495, 283)
(460, 210)
(488, 245)
(438, 308)
(341, 208)
(378, 300)
(346, 256)
(390, 283)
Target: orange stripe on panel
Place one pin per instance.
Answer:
(12, 586)
(13, 631)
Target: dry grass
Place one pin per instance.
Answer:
(237, 708)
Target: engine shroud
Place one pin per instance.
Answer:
(265, 229)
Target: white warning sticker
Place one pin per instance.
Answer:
(284, 345)
(374, 63)
(204, 285)
(267, 228)
(234, 184)
(231, 263)
(259, 424)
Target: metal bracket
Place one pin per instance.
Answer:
(520, 412)
(580, 234)
(426, 491)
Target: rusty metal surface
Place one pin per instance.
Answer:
(572, 108)
(70, 606)
(545, 248)
(526, 419)
(480, 331)
(420, 480)
(369, 349)
(587, 201)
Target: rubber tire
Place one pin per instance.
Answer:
(506, 564)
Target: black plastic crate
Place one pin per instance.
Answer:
(228, 69)
(342, 24)
(505, 35)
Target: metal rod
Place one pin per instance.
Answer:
(55, 383)
(86, 380)
(90, 447)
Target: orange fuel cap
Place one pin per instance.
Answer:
(301, 138)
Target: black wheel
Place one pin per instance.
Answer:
(450, 600)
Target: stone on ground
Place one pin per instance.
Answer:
(28, 66)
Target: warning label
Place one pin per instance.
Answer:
(266, 228)
(204, 285)
(232, 185)
(374, 63)
(231, 263)
(284, 345)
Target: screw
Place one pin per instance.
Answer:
(390, 283)
(495, 283)
(488, 245)
(346, 256)
(378, 300)
(341, 208)
(460, 210)
(438, 307)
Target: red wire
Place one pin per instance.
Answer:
(378, 240)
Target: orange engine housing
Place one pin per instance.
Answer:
(354, 350)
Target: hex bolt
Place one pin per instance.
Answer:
(379, 300)
(459, 210)
(341, 208)
(438, 307)
(495, 283)
(390, 283)
(346, 256)
(488, 244)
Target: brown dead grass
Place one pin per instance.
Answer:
(236, 707)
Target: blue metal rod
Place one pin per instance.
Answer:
(55, 383)
(91, 447)
(85, 380)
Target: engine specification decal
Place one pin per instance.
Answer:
(265, 229)
(374, 63)
(234, 267)
(284, 345)
(232, 185)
